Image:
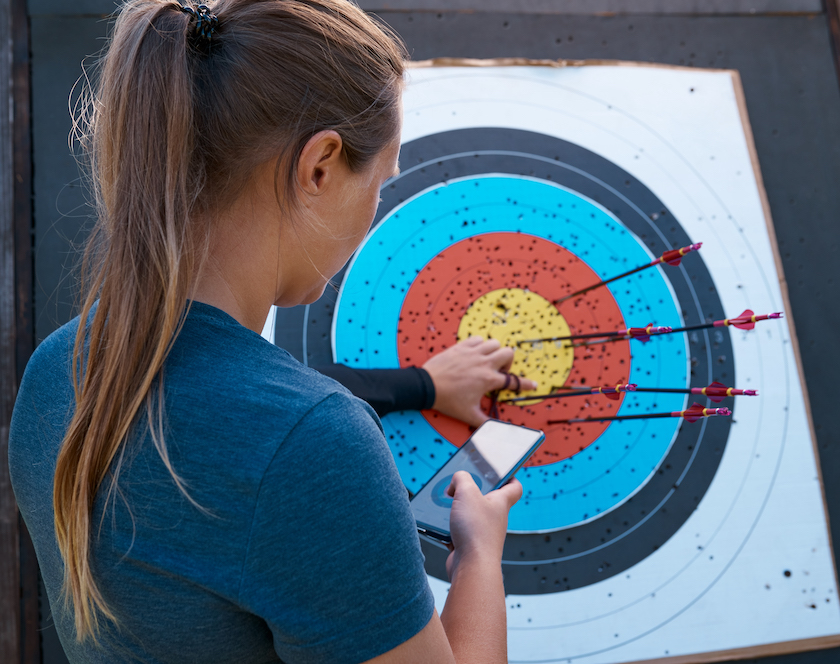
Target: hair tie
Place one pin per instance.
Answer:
(205, 21)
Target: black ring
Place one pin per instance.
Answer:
(584, 554)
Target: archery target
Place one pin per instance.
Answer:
(518, 186)
(461, 224)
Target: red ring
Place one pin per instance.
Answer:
(463, 272)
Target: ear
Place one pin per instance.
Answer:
(321, 162)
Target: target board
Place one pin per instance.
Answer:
(634, 539)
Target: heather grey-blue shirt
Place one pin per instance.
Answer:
(304, 549)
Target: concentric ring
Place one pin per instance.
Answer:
(585, 553)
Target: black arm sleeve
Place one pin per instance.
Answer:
(386, 390)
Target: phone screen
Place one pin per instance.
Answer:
(491, 455)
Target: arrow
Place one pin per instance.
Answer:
(696, 412)
(715, 391)
(746, 321)
(670, 257)
(643, 334)
(613, 393)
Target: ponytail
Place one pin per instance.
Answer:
(175, 130)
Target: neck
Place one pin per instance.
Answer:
(240, 275)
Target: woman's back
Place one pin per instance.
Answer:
(301, 543)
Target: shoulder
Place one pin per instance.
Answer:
(231, 395)
(43, 408)
(218, 364)
(47, 387)
(52, 356)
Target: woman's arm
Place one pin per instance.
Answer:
(473, 626)
(452, 382)
(386, 390)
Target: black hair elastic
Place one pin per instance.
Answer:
(205, 22)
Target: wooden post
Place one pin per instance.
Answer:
(24, 320)
(19, 633)
(10, 641)
(832, 11)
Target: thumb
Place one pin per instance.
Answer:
(510, 492)
(477, 416)
(461, 481)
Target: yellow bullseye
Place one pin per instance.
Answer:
(512, 314)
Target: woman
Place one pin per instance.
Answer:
(194, 493)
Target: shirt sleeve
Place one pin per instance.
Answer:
(333, 563)
(386, 390)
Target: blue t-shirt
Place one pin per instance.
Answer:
(303, 549)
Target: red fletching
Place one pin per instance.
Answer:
(747, 320)
(614, 393)
(674, 256)
(716, 392)
(644, 334)
(698, 412)
(694, 413)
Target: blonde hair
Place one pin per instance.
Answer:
(173, 133)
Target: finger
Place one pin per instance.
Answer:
(527, 384)
(490, 346)
(473, 341)
(495, 381)
(510, 492)
(501, 358)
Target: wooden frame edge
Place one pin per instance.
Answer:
(750, 652)
(558, 64)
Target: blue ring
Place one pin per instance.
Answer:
(618, 463)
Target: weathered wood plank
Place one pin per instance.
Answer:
(584, 7)
(30, 635)
(9, 541)
(589, 7)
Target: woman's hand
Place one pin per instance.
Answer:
(478, 523)
(465, 372)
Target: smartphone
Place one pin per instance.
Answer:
(494, 452)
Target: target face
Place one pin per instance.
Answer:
(626, 528)
(521, 228)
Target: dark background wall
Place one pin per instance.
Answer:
(781, 47)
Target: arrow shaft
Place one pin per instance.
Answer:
(615, 418)
(670, 257)
(608, 338)
(592, 335)
(604, 282)
(552, 395)
(568, 393)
